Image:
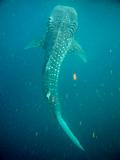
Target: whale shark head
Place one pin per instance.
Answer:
(64, 20)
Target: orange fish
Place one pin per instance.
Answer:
(74, 77)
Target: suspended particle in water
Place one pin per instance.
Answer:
(110, 51)
(94, 136)
(66, 96)
(119, 89)
(80, 123)
(36, 134)
(111, 72)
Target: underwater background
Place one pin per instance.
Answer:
(90, 104)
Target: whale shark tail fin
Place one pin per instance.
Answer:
(67, 130)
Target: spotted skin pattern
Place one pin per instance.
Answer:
(59, 39)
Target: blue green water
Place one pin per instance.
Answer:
(90, 105)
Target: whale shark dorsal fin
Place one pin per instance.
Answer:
(35, 44)
(76, 48)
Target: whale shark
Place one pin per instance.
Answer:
(58, 42)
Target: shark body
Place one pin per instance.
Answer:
(58, 42)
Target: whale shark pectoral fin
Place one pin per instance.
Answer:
(76, 48)
(35, 44)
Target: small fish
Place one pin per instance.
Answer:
(74, 76)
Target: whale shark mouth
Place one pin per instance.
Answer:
(63, 18)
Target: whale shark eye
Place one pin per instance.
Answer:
(50, 23)
(50, 19)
